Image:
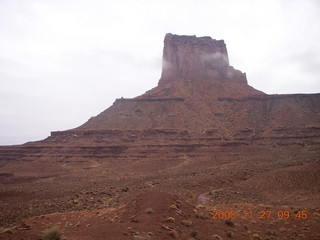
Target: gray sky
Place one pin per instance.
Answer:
(63, 61)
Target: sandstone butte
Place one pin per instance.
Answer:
(203, 133)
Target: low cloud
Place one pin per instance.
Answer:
(166, 65)
(214, 57)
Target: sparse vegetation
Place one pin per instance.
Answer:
(6, 230)
(271, 232)
(52, 234)
(200, 215)
(194, 234)
(217, 237)
(256, 236)
(149, 210)
(170, 219)
(186, 223)
(173, 234)
(139, 237)
(229, 234)
(229, 223)
(173, 207)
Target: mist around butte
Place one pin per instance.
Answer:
(63, 62)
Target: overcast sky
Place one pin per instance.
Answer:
(63, 61)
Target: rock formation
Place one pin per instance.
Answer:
(191, 58)
(202, 110)
(195, 74)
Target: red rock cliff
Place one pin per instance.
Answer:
(191, 57)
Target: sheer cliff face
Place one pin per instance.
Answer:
(190, 58)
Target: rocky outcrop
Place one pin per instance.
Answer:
(190, 57)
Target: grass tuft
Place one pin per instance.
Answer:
(149, 210)
(52, 234)
(186, 223)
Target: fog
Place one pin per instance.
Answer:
(63, 61)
